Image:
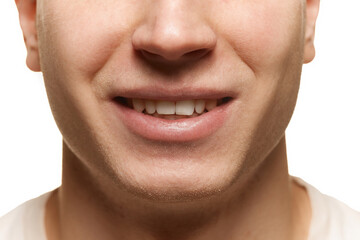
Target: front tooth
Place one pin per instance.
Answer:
(210, 104)
(199, 106)
(165, 107)
(150, 106)
(185, 107)
(138, 104)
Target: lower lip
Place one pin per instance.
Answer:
(180, 130)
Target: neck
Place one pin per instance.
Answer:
(262, 205)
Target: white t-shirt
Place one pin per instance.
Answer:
(331, 219)
(26, 222)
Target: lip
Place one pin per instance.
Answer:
(180, 130)
(171, 93)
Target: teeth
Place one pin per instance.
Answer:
(185, 107)
(199, 106)
(210, 104)
(172, 108)
(150, 106)
(138, 104)
(165, 107)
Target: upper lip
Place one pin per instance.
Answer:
(172, 94)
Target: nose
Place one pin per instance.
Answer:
(173, 31)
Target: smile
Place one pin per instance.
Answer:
(172, 110)
(171, 115)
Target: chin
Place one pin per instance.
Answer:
(174, 182)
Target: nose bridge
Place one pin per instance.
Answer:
(172, 30)
(172, 18)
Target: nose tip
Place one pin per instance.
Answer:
(174, 38)
(174, 50)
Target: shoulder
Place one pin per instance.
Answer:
(25, 220)
(331, 219)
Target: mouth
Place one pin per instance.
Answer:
(172, 109)
(172, 115)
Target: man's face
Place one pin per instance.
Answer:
(97, 56)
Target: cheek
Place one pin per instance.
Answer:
(84, 40)
(263, 33)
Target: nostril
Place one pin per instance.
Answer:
(196, 54)
(151, 56)
(188, 56)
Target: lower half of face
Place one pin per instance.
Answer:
(124, 111)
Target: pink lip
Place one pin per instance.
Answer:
(171, 93)
(181, 130)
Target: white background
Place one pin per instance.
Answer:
(323, 136)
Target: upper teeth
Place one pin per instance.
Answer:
(184, 107)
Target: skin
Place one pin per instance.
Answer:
(233, 184)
